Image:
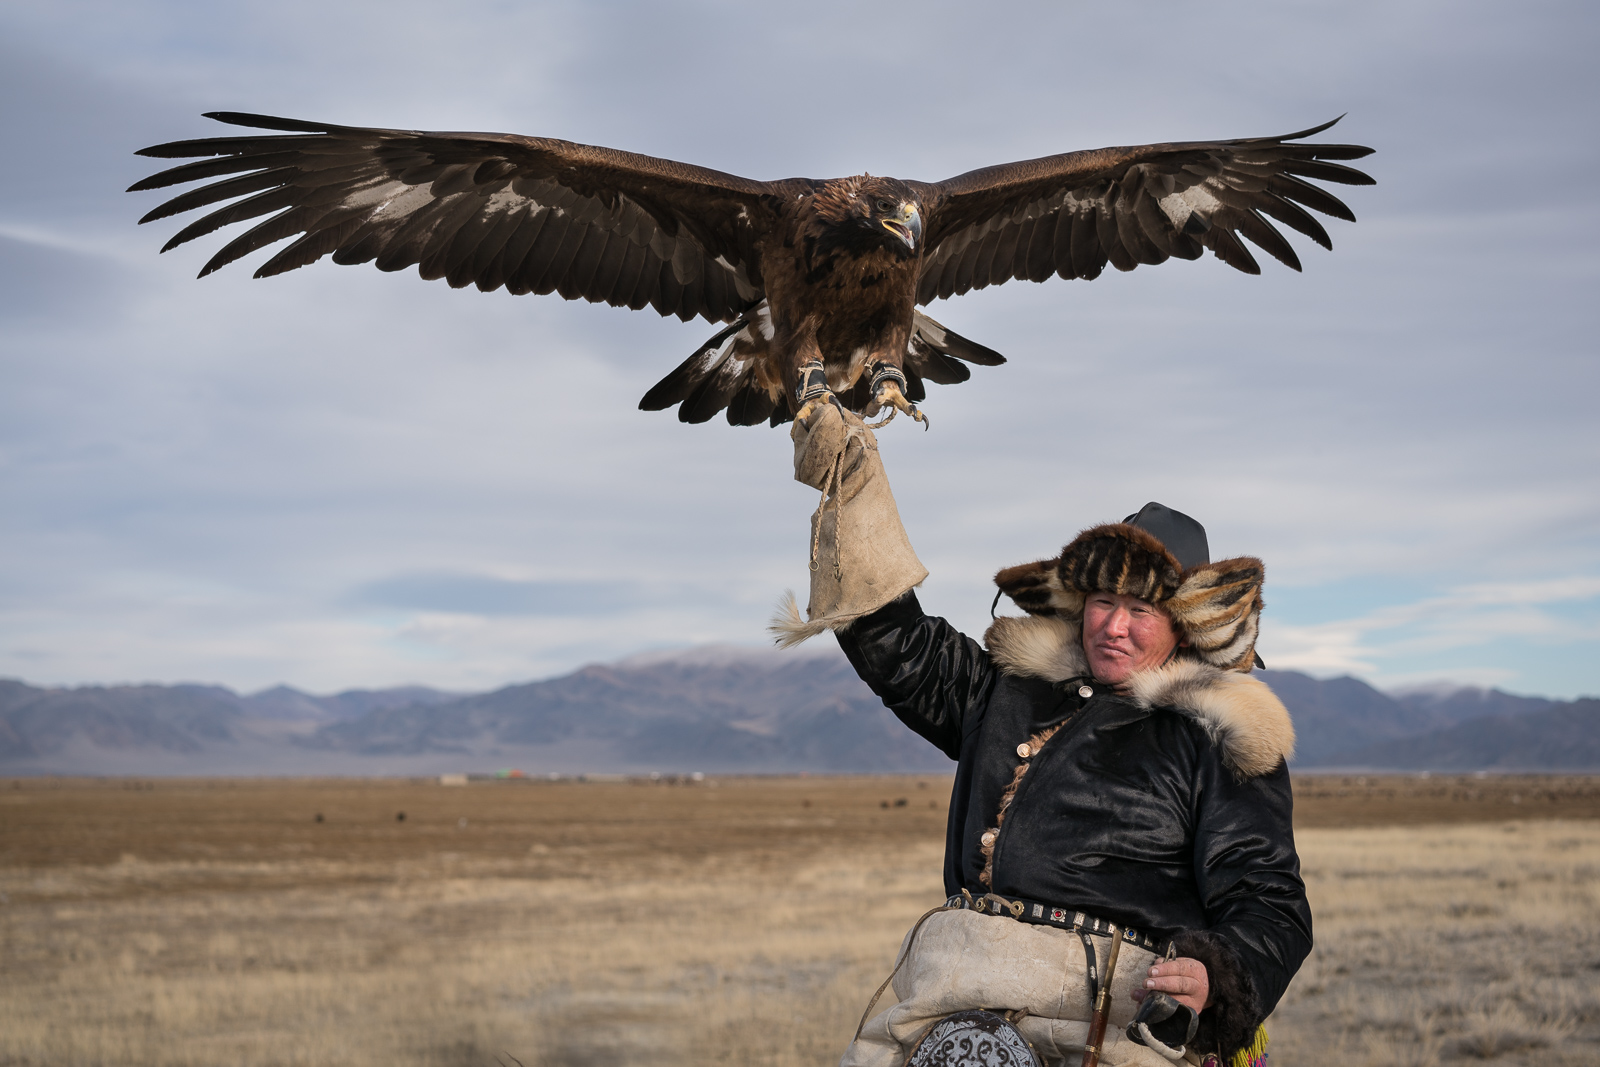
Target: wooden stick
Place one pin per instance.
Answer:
(1102, 1004)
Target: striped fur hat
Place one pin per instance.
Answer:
(1161, 556)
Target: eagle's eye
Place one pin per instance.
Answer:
(885, 205)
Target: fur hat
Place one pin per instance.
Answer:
(1161, 556)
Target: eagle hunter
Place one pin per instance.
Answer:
(820, 282)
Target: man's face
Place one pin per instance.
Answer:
(1122, 634)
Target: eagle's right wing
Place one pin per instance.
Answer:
(534, 214)
(1069, 215)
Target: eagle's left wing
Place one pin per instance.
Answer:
(1069, 215)
(533, 214)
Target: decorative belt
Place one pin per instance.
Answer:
(1039, 913)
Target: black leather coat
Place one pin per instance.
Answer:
(1127, 812)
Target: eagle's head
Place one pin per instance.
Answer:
(865, 212)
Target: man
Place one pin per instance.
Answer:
(1116, 764)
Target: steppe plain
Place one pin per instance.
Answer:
(740, 921)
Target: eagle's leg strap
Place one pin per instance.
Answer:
(888, 391)
(812, 390)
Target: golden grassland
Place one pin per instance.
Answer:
(743, 921)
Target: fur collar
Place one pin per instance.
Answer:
(1243, 718)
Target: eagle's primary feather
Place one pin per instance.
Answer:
(801, 269)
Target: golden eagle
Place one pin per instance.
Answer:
(820, 282)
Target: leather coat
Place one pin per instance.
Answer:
(1132, 811)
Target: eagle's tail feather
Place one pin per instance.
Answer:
(683, 381)
(733, 376)
(752, 405)
(725, 373)
(941, 338)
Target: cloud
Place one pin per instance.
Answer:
(1470, 627)
(478, 594)
(38, 282)
(339, 477)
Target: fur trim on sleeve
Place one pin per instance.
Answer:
(1230, 1022)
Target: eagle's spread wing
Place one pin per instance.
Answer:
(533, 214)
(1069, 215)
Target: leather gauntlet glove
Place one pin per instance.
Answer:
(860, 556)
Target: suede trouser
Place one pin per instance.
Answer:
(961, 959)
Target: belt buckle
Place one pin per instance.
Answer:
(999, 905)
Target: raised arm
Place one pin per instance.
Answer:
(933, 677)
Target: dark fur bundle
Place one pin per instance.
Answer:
(1036, 588)
(1123, 559)
(1229, 1024)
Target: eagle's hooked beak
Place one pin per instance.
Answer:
(906, 225)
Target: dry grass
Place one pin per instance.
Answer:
(200, 923)
(1342, 800)
(1445, 943)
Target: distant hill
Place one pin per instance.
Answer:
(172, 729)
(173, 718)
(725, 711)
(1346, 722)
(282, 702)
(1333, 716)
(1561, 736)
(1460, 703)
(719, 710)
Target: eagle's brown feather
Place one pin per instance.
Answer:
(529, 213)
(1130, 206)
(801, 268)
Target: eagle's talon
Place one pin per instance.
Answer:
(889, 396)
(810, 407)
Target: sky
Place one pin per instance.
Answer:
(341, 478)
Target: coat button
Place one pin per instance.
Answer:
(1024, 751)
(988, 837)
(1085, 692)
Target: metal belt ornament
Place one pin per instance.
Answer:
(974, 1038)
(1042, 914)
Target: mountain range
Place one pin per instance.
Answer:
(722, 710)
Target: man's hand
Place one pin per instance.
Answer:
(1183, 979)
